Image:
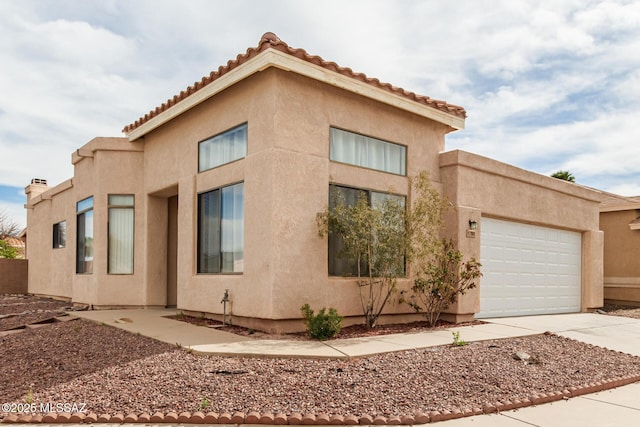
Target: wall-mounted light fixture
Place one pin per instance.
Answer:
(473, 224)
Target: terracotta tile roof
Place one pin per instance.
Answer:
(271, 41)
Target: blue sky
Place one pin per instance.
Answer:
(546, 85)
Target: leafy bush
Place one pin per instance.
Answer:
(323, 325)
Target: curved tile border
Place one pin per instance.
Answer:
(316, 419)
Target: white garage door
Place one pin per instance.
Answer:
(528, 269)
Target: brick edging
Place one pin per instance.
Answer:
(317, 419)
(320, 419)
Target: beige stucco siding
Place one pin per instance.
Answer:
(479, 186)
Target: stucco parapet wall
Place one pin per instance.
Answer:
(272, 52)
(484, 164)
(50, 193)
(104, 144)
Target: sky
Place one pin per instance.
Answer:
(547, 85)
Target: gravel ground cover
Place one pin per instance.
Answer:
(20, 310)
(113, 371)
(621, 310)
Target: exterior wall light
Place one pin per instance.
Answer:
(473, 224)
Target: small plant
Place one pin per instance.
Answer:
(457, 342)
(204, 403)
(29, 397)
(323, 325)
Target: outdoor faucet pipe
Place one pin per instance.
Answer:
(224, 301)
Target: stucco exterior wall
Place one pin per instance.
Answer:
(479, 187)
(621, 249)
(286, 176)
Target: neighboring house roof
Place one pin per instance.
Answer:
(612, 202)
(449, 114)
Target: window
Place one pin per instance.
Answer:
(121, 221)
(84, 236)
(221, 230)
(60, 235)
(223, 148)
(360, 150)
(337, 265)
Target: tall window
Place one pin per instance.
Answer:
(121, 221)
(372, 153)
(221, 230)
(337, 265)
(60, 235)
(223, 148)
(84, 236)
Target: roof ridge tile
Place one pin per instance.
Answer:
(270, 41)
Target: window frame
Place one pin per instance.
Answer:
(334, 243)
(220, 230)
(60, 235)
(83, 208)
(219, 136)
(112, 207)
(334, 157)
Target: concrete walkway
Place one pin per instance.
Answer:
(616, 407)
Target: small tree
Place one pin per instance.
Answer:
(564, 175)
(8, 227)
(442, 281)
(375, 242)
(7, 251)
(441, 274)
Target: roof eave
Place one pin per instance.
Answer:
(284, 61)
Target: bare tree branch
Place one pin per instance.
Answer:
(8, 227)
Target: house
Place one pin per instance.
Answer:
(218, 189)
(620, 222)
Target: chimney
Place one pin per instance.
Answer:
(37, 187)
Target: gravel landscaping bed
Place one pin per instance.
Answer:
(20, 310)
(112, 371)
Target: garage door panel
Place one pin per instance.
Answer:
(528, 269)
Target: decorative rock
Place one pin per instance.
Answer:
(365, 419)
(130, 418)
(224, 418)
(197, 417)
(252, 417)
(171, 417)
(211, 418)
(158, 417)
(280, 419)
(308, 419)
(295, 418)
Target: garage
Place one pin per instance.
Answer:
(528, 269)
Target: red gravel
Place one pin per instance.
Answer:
(113, 371)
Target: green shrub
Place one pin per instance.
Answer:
(323, 325)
